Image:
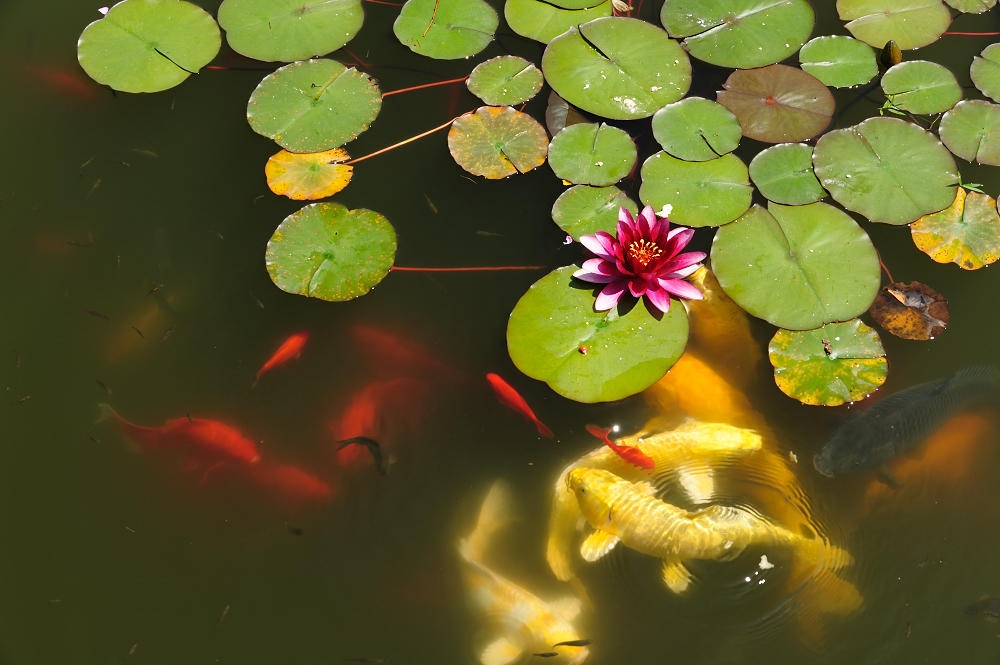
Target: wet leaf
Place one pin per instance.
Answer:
(967, 233)
(289, 30)
(313, 105)
(618, 68)
(778, 103)
(148, 45)
(555, 335)
(446, 29)
(328, 252)
(797, 267)
(888, 170)
(985, 72)
(839, 61)
(739, 33)
(497, 141)
(784, 174)
(920, 86)
(971, 131)
(582, 209)
(505, 80)
(909, 23)
(701, 193)
(828, 366)
(308, 176)
(592, 154)
(971, 6)
(544, 21)
(696, 129)
(911, 310)
(559, 114)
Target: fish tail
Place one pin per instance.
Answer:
(821, 554)
(492, 516)
(544, 430)
(822, 595)
(105, 412)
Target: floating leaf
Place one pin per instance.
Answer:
(592, 154)
(505, 80)
(446, 29)
(920, 86)
(701, 193)
(909, 23)
(971, 6)
(555, 335)
(544, 21)
(911, 310)
(582, 209)
(618, 68)
(797, 267)
(739, 33)
(313, 105)
(838, 61)
(971, 131)
(328, 252)
(778, 103)
(289, 30)
(886, 169)
(696, 129)
(309, 175)
(497, 141)
(784, 174)
(559, 114)
(148, 45)
(828, 366)
(967, 233)
(985, 72)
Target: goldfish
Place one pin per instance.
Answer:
(400, 356)
(288, 483)
(289, 349)
(382, 411)
(630, 454)
(528, 624)
(513, 401)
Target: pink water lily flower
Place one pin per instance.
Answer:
(645, 259)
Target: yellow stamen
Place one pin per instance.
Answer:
(643, 251)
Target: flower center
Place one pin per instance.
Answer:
(643, 251)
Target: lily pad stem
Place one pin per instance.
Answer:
(425, 85)
(468, 269)
(402, 143)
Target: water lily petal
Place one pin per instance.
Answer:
(638, 286)
(609, 296)
(649, 221)
(685, 260)
(659, 298)
(681, 288)
(601, 243)
(684, 272)
(598, 271)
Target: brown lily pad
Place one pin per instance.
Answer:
(911, 310)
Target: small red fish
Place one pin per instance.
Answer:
(513, 401)
(288, 483)
(630, 454)
(290, 348)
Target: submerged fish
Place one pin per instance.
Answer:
(630, 454)
(289, 349)
(373, 446)
(987, 607)
(904, 419)
(512, 400)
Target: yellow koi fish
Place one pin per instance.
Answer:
(528, 624)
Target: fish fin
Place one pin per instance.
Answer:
(567, 608)
(500, 652)
(543, 429)
(597, 544)
(698, 483)
(105, 412)
(885, 477)
(645, 487)
(676, 575)
(562, 530)
(492, 516)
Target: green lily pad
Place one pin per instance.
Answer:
(618, 68)
(967, 233)
(921, 86)
(797, 267)
(446, 29)
(971, 6)
(581, 209)
(555, 335)
(701, 193)
(328, 252)
(784, 174)
(148, 45)
(839, 61)
(575, 4)
(909, 23)
(505, 80)
(288, 30)
(971, 131)
(886, 169)
(497, 141)
(985, 72)
(592, 154)
(313, 105)
(828, 366)
(739, 33)
(543, 21)
(777, 103)
(696, 129)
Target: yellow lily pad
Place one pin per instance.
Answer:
(966, 233)
(308, 176)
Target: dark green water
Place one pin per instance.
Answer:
(111, 556)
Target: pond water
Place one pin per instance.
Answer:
(135, 228)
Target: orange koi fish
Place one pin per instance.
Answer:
(630, 454)
(290, 348)
(513, 401)
(380, 411)
(288, 483)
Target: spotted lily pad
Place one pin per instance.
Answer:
(446, 29)
(797, 267)
(971, 131)
(544, 21)
(289, 30)
(308, 176)
(838, 61)
(592, 154)
(555, 335)
(497, 141)
(313, 105)
(701, 193)
(985, 72)
(148, 45)
(921, 86)
(909, 23)
(910, 310)
(828, 366)
(505, 80)
(696, 129)
(328, 252)
(967, 233)
(886, 169)
(784, 174)
(581, 209)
